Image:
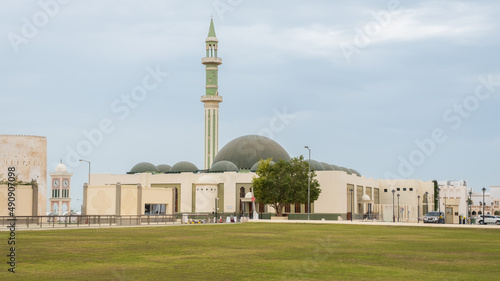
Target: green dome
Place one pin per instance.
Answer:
(335, 167)
(183, 166)
(348, 171)
(224, 166)
(256, 166)
(316, 166)
(355, 172)
(143, 167)
(327, 166)
(245, 151)
(163, 168)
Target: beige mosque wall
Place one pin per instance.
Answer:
(129, 197)
(101, 200)
(28, 154)
(23, 200)
(157, 195)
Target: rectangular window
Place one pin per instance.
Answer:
(404, 188)
(411, 188)
(297, 208)
(306, 209)
(398, 189)
(155, 209)
(287, 208)
(261, 208)
(385, 189)
(176, 200)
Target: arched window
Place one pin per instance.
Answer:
(480, 213)
(474, 213)
(242, 192)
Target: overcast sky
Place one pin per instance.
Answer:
(402, 89)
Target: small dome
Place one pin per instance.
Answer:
(163, 168)
(355, 172)
(245, 151)
(224, 166)
(61, 168)
(206, 179)
(335, 167)
(316, 166)
(248, 195)
(183, 166)
(365, 198)
(326, 166)
(256, 166)
(348, 171)
(143, 167)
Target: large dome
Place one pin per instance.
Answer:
(245, 151)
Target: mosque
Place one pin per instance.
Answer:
(224, 185)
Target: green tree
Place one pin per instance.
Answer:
(284, 183)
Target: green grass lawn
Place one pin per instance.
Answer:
(257, 251)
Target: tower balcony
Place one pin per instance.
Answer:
(211, 60)
(209, 98)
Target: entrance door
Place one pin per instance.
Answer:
(449, 214)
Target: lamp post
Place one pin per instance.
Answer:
(309, 184)
(470, 205)
(393, 216)
(216, 208)
(418, 209)
(352, 200)
(484, 203)
(426, 202)
(439, 204)
(81, 160)
(398, 208)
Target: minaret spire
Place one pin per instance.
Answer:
(211, 99)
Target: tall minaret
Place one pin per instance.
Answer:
(211, 99)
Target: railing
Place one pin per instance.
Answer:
(113, 220)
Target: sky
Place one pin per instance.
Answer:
(392, 89)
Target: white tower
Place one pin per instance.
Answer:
(60, 198)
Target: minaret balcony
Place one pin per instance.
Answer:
(211, 98)
(211, 60)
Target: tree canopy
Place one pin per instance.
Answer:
(284, 183)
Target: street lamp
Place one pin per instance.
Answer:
(426, 202)
(393, 216)
(309, 185)
(398, 208)
(216, 201)
(470, 205)
(81, 160)
(352, 200)
(439, 204)
(418, 209)
(484, 203)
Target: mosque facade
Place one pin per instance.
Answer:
(224, 185)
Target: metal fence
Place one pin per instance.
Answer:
(112, 220)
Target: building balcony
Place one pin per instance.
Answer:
(211, 60)
(211, 98)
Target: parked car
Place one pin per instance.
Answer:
(434, 217)
(485, 219)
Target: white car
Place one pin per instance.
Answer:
(434, 217)
(488, 219)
